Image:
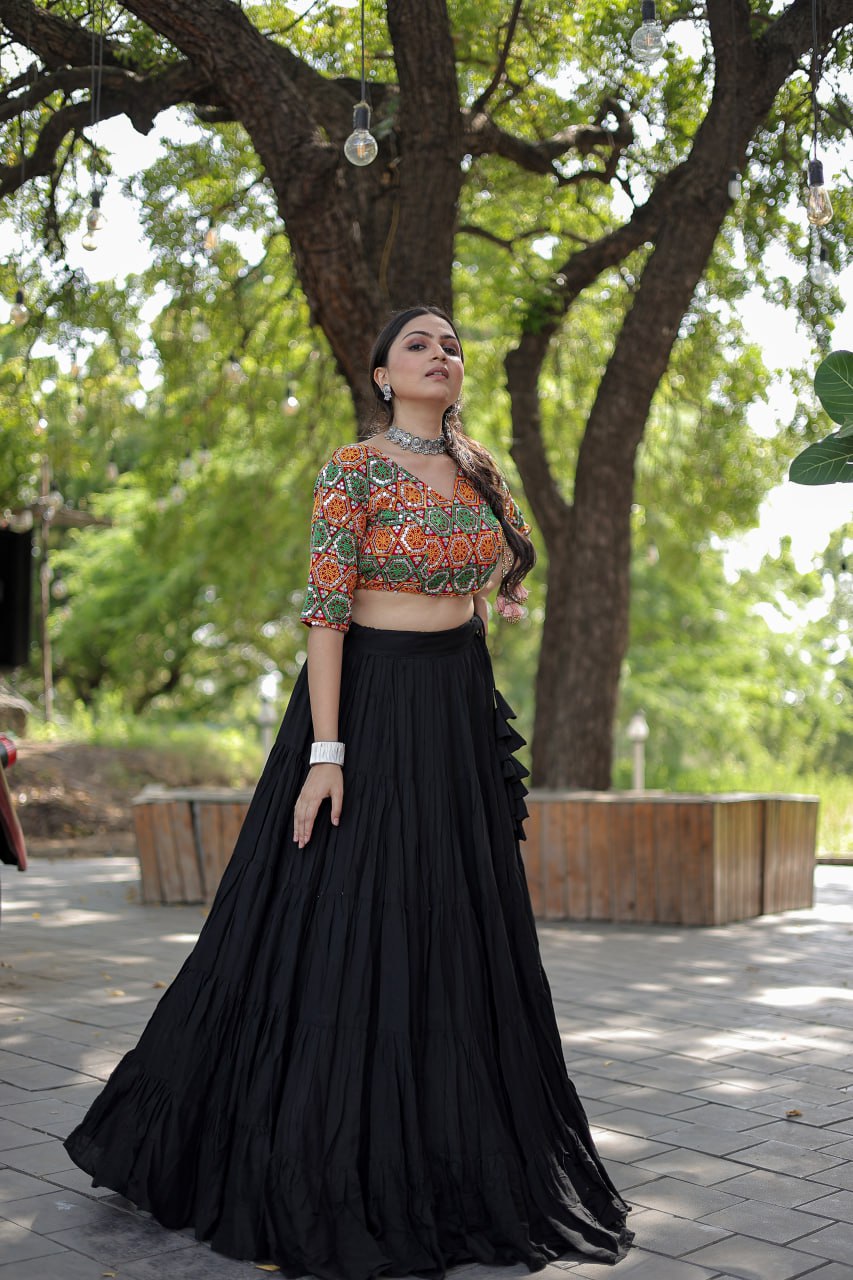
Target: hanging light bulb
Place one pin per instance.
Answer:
(821, 272)
(112, 472)
(234, 371)
(20, 313)
(818, 205)
(361, 148)
(211, 239)
(647, 42)
(290, 404)
(735, 185)
(95, 222)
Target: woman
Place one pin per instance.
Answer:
(358, 1071)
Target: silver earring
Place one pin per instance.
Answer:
(387, 393)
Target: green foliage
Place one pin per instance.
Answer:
(830, 460)
(175, 609)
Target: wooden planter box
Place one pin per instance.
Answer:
(647, 857)
(589, 855)
(185, 839)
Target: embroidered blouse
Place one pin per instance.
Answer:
(376, 527)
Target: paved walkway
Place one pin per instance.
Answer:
(714, 1063)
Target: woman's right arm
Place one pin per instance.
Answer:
(325, 656)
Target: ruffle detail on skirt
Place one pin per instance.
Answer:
(509, 740)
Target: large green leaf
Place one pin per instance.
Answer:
(834, 385)
(827, 462)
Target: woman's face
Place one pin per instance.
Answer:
(424, 363)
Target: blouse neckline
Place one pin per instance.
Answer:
(447, 502)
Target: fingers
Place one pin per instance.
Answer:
(307, 805)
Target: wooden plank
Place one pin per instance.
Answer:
(209, 829)
(146, 844)
(738, 851)
(667, 869)
(577, 860)
(789, 853)
(695, 843)
(596, 815)
(167, 854)
(644, 861)
(623, 866)
(186, 852)
(531, 852)
(554, 859)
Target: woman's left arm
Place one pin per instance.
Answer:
(480, 605)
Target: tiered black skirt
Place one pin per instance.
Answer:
(357, 1071)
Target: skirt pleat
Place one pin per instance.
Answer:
(357, 1071)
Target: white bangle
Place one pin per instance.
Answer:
(327, 753)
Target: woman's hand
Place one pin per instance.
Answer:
(323, 780)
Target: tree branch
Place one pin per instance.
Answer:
(481, 136)
(479, 103)
(140, 99)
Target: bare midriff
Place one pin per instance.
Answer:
(405, 611)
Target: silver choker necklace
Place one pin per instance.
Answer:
(417, 444)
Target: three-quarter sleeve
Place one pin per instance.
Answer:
(513, 511)
(338, 522)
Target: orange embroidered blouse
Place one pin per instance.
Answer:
(375, 526)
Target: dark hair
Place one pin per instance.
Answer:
(475, 461)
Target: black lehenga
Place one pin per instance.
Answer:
(357, 1071)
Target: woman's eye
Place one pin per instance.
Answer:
(453, 351)
(416, 346)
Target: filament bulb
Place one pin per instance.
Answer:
(647, 42)
(95, 222)
(361, 148)
(818, 205)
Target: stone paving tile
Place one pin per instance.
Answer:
(54, 1210)
(839, 1178)
(198, 1262)
(838, 1205)
(770, 1222)
(40, 1158)
(714, 1115)
(754, 1259)
(666, 1234)
(62, 1264)
(684, 1199)
(784, 1157)
(14, 1185)
(833, 1271)
(694, 1166)
(716, 1142)
(779, 1188)
(121, 1238)
(657, 1101)
(640, 1265)
(798, 1134)
(643, 1124)
(16, 1135)
(833, 1241)
(17, 1243)
(52, 1117)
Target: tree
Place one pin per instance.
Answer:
(467, 112)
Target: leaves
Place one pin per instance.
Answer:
(830, 461)
(834, 386)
